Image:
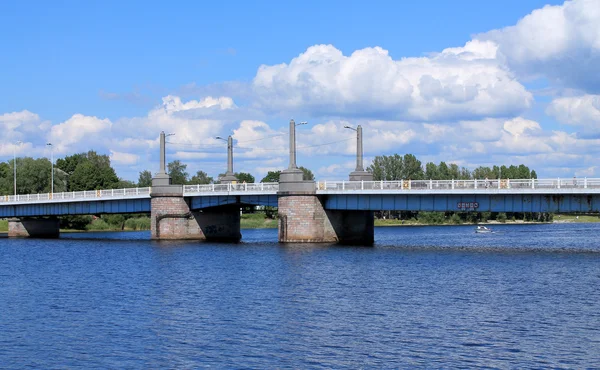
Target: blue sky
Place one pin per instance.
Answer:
(469, 82)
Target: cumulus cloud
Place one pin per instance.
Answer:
(560, 42)
(582, 112)
(463, 82)
(78, 132)
(124, 158)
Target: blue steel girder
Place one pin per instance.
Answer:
(205, 201)
(76, 208)
(464, 202)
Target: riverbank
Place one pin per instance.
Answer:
(259, 221)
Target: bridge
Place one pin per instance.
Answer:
(309, 211)
(522, 195)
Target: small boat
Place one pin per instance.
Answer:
(483, 229)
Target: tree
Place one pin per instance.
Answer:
(412, 168)
(272, 176)
(70, 163)
(145, 179)
(386, 168)
(177, 172)
(201, 178)
(88, 176)
(307, 174)
(245, 177)
(125, 184)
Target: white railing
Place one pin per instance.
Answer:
(444, 185)
(238, 187)
(87, 194)
(350, 186)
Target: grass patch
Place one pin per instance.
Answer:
(3, 225)
(576, 218)
(257, 221)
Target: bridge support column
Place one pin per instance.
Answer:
(303, 219)
(33, 227)
(172, 218)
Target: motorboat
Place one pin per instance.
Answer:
(483, 229)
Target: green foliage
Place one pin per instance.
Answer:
(75, 222)
(307, 174)
(432, 217)
(138, 223)
(145, 179)
(396, 167)
(177, 171)
(200, 178)
(244, 176)
(272, 176)
(455, 219)
(125, 184)
(70, 163)
(93, 175)
(98, 225)
(501, 217)
(33, 177)
(3, 225)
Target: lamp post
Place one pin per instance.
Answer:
(52, 167)
(359, 174)
(293, 143)
(15, 165)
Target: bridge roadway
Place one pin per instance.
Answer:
(529, 195)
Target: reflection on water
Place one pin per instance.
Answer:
(525, 296)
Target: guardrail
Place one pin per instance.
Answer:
(78, 195)
(404, 185)
(476, 185)
(243, 187)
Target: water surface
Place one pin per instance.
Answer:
(526, 296)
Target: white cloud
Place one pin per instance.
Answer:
(80, 133)
(580, 111)
(560, 42)
(124, 158)
(460, 82)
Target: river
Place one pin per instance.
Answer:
(527, 296)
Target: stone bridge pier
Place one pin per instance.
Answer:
(33, 227)
(172, 218)
(303, 218)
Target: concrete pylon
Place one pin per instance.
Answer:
(229, 175)
(359, 174)
(291, 179)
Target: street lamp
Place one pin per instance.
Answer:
(359, 147)
(15, 165)
(52, 167)
(293, 143)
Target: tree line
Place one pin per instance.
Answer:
(408, 167)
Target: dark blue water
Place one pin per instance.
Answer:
(527, 296)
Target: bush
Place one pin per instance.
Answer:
(4, 225)
(431, 217)
(455, 219)
(138, 223)
(75, 222)
(98, 224)
(501, 217)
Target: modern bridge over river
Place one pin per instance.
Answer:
(525, 195)
(309, 211)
